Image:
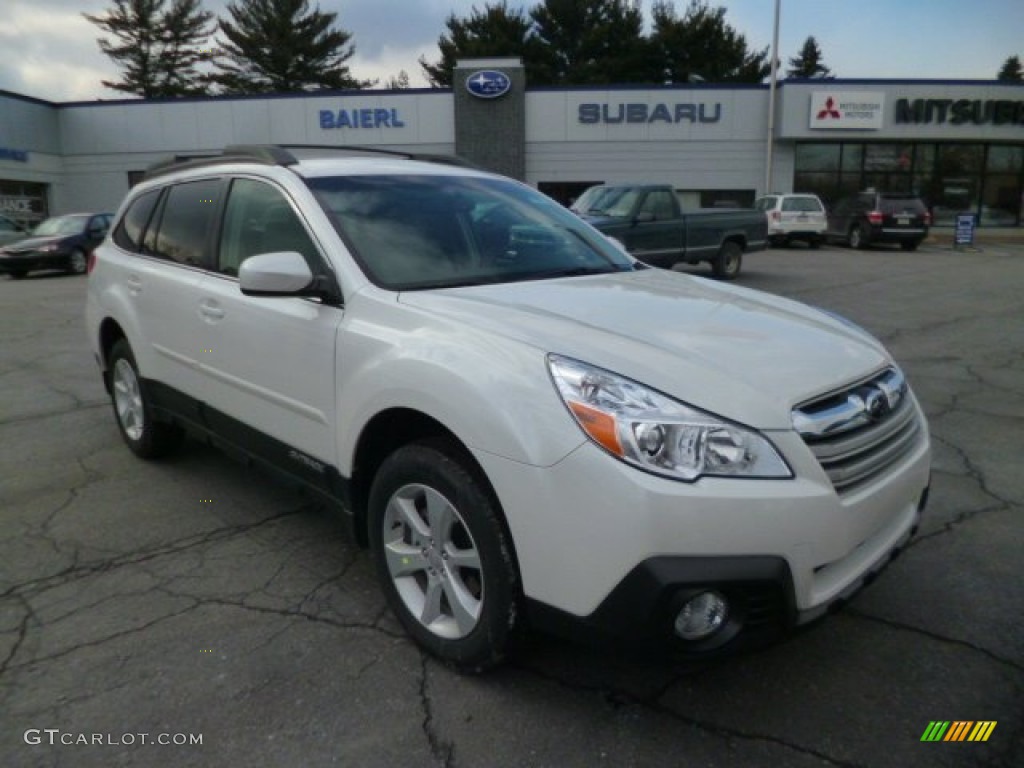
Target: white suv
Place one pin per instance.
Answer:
(794, 217)
(522, 422)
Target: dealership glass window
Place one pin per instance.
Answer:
(24, 201)
(1005, 159)
(817, 157)
(950, 178)
(1001, 200)
(853, 157)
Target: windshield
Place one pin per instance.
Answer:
(415, 232)
(607, 201)
(60, 225)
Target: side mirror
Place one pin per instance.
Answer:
(643, 217)
(284, 273)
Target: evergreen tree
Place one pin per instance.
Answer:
(590, 42)
(282, 45)
(399, 82)
(808, 63)
(1012, 71)
(702, 46)
(496, 30)
(157, 49)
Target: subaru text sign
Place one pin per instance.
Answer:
(847, 110)
(488, 84)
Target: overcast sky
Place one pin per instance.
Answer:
(47, 50)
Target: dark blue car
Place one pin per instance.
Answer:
(61, 242)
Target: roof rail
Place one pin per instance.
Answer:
(280, 154)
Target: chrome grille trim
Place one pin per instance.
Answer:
(857, 433)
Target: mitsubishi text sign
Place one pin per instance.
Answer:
(847, 110)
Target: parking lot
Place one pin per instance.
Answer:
(193, 600)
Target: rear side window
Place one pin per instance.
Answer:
(765, 204)
(128, 234)
(184, 233)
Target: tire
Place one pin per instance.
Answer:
(17, 274)
(858, 238)
(815, 242)
(910, 245)
(77, 262)
(429, 510)
(728, 262)
(146, 437)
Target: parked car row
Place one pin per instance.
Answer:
(60, 242)
(858, 220)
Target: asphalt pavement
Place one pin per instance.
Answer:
(192, 612)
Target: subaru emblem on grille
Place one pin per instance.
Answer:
(876, 404)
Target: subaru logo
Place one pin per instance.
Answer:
(876, 405)
(488, 84)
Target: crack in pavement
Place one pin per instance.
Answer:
(616, 699)
(443, 751)
(85, 406)
(859, 614)
(78, 571)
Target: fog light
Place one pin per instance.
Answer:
(702, 616)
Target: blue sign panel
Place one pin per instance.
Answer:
(964, 234)
(18, 155)
(488, 84)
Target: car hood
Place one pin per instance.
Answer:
(33, 243)
(742, 354)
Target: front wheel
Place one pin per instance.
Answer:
(146, 437)
(728, 262)
(443, 555)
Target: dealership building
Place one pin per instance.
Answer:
(957, 144)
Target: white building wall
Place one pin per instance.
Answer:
(102, 142)
(673, 145)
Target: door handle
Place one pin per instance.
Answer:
(211, 310)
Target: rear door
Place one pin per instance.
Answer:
(802, 213)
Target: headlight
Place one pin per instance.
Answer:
(651, 431)
(48, 248)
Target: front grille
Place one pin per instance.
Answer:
(860, 431)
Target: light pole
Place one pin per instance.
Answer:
(770, 143)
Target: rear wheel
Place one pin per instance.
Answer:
(146, 437)
(728, 262)
(858, 238)
(77, 262)
(815, 242)
(910, 245)
(17, 274)
(443, 555)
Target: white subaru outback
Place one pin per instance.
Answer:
(522, 423)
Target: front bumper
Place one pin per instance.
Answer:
(613, 551)
(26, 262)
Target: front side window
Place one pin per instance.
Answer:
(258, 219)
(413, 232)
(184, 230)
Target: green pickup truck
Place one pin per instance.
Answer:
(648, 220)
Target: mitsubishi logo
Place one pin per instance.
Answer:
(830, 110)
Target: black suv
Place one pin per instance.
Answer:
(879, 217)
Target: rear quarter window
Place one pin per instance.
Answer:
(128, 234)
